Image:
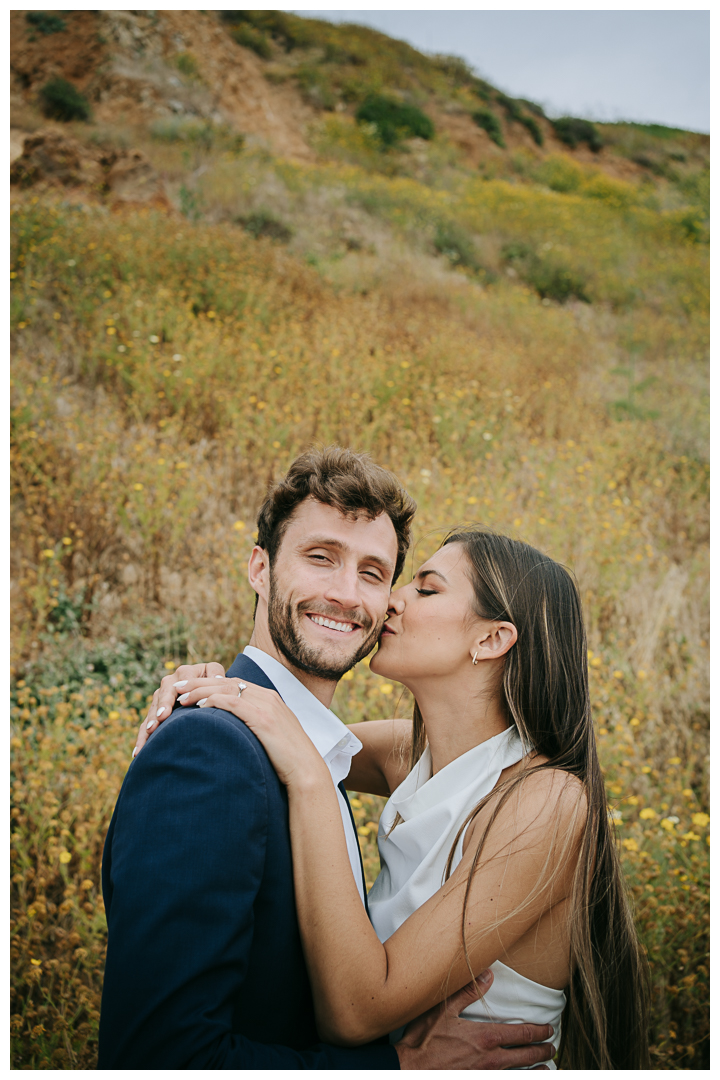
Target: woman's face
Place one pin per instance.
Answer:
(431, 625)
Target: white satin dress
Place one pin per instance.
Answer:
(413, 859)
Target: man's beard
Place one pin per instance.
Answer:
(283, 623)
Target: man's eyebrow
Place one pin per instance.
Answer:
(424, 573)
(340, 545)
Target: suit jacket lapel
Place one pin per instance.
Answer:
(344, 794)
(243, 667)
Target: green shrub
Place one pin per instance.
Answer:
(316, 86)
(393, 119)
(198, 133)
(571, 131)
(534, 128)
(288, 30)
(458, 70)
(261, 223)
(489, 122)
(533, 107)
(511, 107)
(554, 282)
(251, 38)
(452, 242)
(45, 22)
(550, 280)
(561, 173)
(186, 64)
(338, 54)
(482, 89)
(61, 100)
(191, 203)
(515, 113)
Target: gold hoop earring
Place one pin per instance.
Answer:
(474, 659)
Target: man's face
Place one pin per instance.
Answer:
(329, 587)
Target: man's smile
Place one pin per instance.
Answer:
(333, 624)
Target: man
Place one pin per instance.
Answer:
(205, 966)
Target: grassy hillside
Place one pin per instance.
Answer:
(523, 339)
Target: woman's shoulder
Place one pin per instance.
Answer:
(531, 796)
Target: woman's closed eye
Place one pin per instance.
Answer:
(426, 592)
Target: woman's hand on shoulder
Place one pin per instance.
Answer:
(292, 753)
(183, 682)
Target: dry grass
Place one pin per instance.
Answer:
(164, 372)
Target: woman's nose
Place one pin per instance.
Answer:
(396, 603)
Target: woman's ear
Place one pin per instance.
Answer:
(259, 572)
(494, 642)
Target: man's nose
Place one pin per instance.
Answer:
(343, 588)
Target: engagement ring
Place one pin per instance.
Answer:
(241, 686)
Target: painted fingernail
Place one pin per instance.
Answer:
(552, 1029)
(184, 697)
(201, 703)
(219, 676)
(136, 751)
(151, 725)
(177, 685)
(160, 711)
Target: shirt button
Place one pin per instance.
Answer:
(343, 742)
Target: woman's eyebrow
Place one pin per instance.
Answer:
(422, 574)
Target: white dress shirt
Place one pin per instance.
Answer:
(332, 740)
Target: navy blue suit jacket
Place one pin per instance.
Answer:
(204, 965)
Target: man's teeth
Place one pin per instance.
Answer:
(344, 627)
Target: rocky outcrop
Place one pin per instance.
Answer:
(122, 176)
(126, 64)
(53, 157)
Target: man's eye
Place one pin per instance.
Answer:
(371, 574)
(426, 592)
(322, 558)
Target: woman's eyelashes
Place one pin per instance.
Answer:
(426, 592)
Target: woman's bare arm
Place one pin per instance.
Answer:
(363, 988)
(382, 763)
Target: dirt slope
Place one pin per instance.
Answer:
(125, 64)
(140, 67)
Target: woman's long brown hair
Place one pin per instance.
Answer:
(545, 694)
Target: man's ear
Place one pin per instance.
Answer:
(494, 641)
(259, 572)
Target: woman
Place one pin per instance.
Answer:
(495, 843)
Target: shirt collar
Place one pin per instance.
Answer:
(331, 738)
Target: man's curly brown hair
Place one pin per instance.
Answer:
(351, 483)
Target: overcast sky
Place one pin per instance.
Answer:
(648, 66)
